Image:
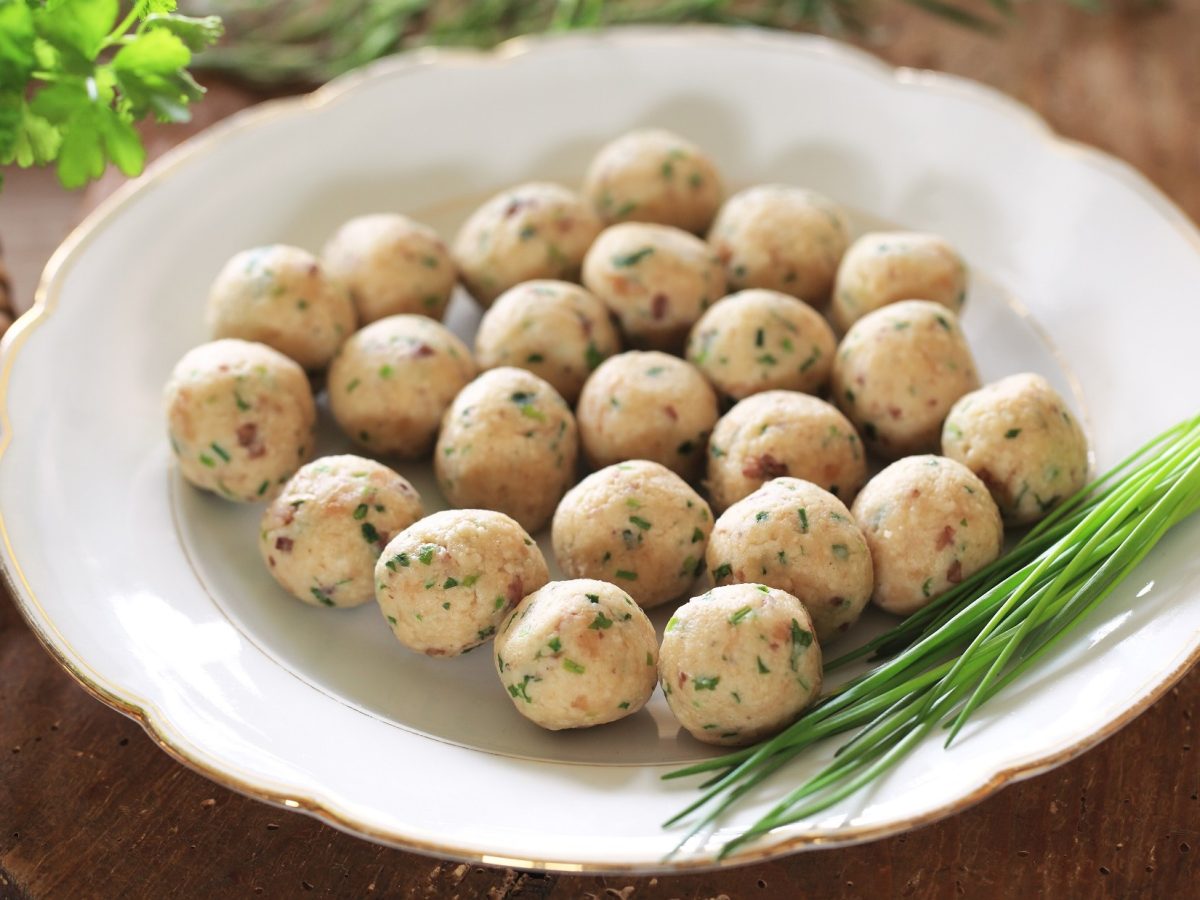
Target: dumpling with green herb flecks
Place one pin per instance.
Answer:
(930, 523)
(739, 663)
(898, 371)
(778, 433)
(759, 340)
(320, 538)
(556, 330)
(534, 230)
(657, 281)
(391, 265)
(647, 405)
(391, 382)
(654, 175)
(1020, 438)
(281, 296)
(508, 442)
(636, 524)
(446, 582)
(240, 417)
(577, 653)
(792, 535)
(889, 266)
(783, 238)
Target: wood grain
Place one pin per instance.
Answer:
(89, 807)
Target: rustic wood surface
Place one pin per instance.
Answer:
(90, 807)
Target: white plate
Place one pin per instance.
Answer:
(152, 594)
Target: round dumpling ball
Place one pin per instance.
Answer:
(795, 536)
(322, 535)
(391, 265)
(783, 433)
(281, 297)
(930, 523)
(577, 653)
(885, 267)
(647, 405)
(780, 237)
(1019, 437)
(637, 524)
(509, 443)
(654, 175)
(760, 340)
(240, 417)
(556, 330)
(393, 380)
(535, 230)
(897, 373)
(739, 663)
(657, 280)
(445, 583)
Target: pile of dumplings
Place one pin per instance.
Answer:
(726, 373)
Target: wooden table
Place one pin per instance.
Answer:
(90, 807)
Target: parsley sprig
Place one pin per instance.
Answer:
(75, 75)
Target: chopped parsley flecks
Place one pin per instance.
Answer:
(535, 358)
(593, 598)
(767, 359)
(803, 514)
(554, 644)
(722, 571)
(426, 553)
(672, 623)
(640, 522)
(571, 666)
(592, 356)
(262, 488)
(522, 690)
(626, 575)
(450, 582)
(392, 619)
(759, 337)
(706, 682)
(322, 597)
(762, 516)
(737, 617)
(220, 451)
(762, 588)
(498, 603)
(649, 658)
(927, 587)
(484, 633)
(601, 622)
(841, 551)
(370, 535)
(1012, 433)
(470, 580)
(624, 704)
(399, 560)
(386, 371)
(801, 640)
(360, 511)
(241, 404)
(941, 320)
(625, 260)
(446, 605)
(697, 536)
(354, 382)
(762, 666)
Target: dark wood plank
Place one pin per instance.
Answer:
(89, 806)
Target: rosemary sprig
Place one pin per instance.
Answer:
(959, 652)
(280, 42)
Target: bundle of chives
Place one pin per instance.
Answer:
(973, 641)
